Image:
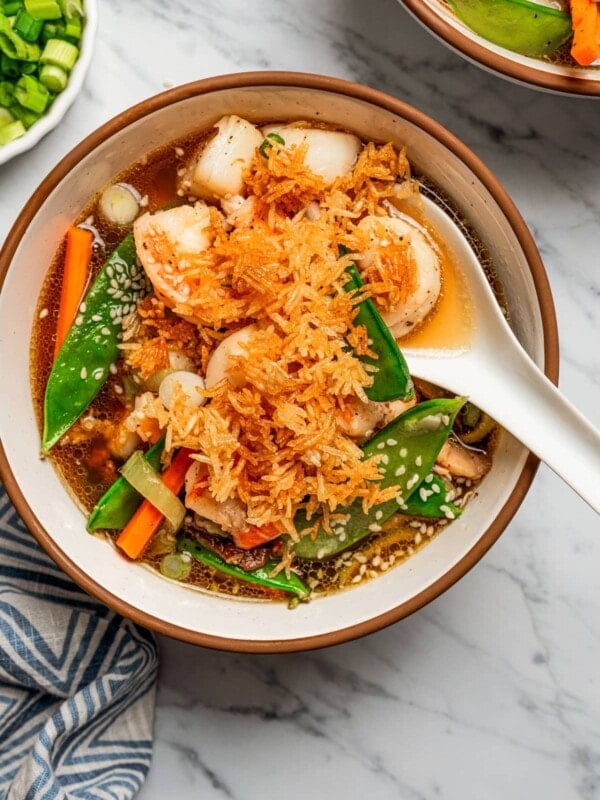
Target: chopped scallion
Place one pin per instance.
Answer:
(175, 566)
(14, 130)
(53, 78)
(268, 142)
(7, 93)
(26, 116)
(71, 8)
(31, 94)
(43, 9)
(27, 27)
(12, 7)
(5, 116)
(60, 54)
(13, 45)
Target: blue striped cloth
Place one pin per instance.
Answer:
(77, 683)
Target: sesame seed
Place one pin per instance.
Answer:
(83, 373)
(403, 452)
(113, 369)
(418, 538)
(105, 331)
(381, 445)
(445, 419)
(96, 318)
(118, 389)
(419, 461)
(98, 374)
(83, 308)
(43, 313)
(435, 488)
(412, 482)
(447, 512)
(391, 442)
(79, 320)
(374, 527)
(378, 515)
(400, 471)
(385, 459)
(429, 478)
(110, 271)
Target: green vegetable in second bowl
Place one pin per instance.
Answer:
(528, 28)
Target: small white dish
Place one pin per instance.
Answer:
(64, 100)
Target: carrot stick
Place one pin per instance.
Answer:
(147, 519)
(255, 536)
(585, 16)
(77, 259)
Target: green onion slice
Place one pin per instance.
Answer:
(175, 566)
(268, 142)
(138, 472)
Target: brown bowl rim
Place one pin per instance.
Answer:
(542, 288)
(504, 65)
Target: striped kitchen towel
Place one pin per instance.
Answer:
(77, 683)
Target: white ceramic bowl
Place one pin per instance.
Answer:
(64, 100)
(535, 72)
(42, 499)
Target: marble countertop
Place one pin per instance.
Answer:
(493, 690)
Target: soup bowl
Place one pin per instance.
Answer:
(539, 73)
(44, 502)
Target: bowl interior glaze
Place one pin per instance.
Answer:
(35, 487)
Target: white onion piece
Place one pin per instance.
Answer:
(188, 383)
(330, 154)
(219, 168)
(178, 361)
(217, 368)
(119, 205)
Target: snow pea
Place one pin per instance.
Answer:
(391, 378)
(408, 447)
(91, 348)
(262, 576)
(430, 500)
(525, 27)
(120, 502)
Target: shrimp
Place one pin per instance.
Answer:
(455, 459)
(360, 420)
(217, 170)
(218, 367)
(330, 154)
(413, 311)
(167, 242)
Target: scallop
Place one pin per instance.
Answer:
(188, 382)
(330, 154)
(217, 170)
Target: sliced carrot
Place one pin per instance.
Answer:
(585, 16)
(255, 536)
(142, 526)
(77, 258)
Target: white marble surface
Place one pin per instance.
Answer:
(492, 691)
